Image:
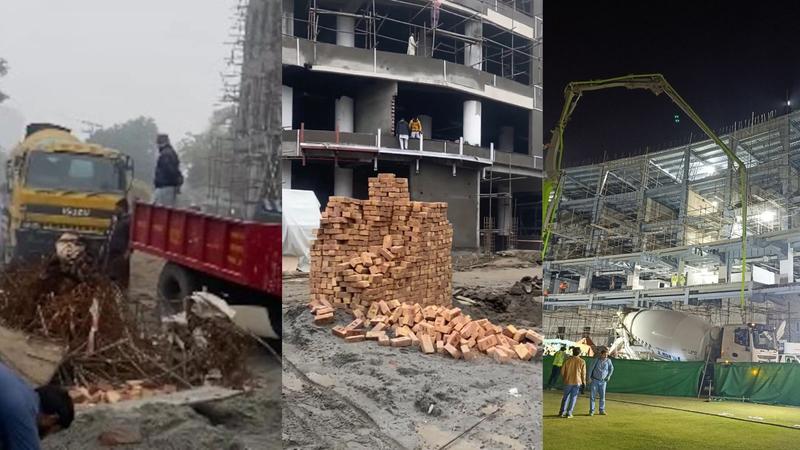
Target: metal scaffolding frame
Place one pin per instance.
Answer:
(435, 40)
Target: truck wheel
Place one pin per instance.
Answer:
(175, 283)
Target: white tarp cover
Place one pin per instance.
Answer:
(300, 217)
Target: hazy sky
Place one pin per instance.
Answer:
(107, 61)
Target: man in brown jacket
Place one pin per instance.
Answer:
(574, 374)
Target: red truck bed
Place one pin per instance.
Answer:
(241, 252)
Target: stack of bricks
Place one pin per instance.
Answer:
(385, 248)
(435, 329)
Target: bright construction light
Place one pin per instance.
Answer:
(788, 103)
(767, 216)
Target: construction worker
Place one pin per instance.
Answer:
(558, 361)
(116, 255)
(599, 374)
(168, 177)
(563, 287)
(27, 414)
(416, 128)
(412, 45)
(574, 375)
(402, 133)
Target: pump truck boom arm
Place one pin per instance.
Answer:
(657, 84)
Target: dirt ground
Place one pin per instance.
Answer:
(249, 421)
(363, 396)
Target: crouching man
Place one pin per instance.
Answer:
(27, 414)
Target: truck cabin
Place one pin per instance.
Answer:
(749, 343)
(74, 172)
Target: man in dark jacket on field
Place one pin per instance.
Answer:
(168, 178)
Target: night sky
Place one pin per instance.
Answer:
(726, 60)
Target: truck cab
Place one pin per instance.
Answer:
(57, 184)
(750, 342)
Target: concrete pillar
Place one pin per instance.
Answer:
(787, 267)
(345, 31)
(287, 103)
(504, 217)
(286, 174)
(472, 122)
(427, 125)
(344, 113)
(505, 142)
(342, 182)
(473, 53)
(633, 279)
(287, 24)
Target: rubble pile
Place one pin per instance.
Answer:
(106, 344)
(386, 247)
(435, 329)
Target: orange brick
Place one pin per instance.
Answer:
(375, 335)
(426, 344)
(355, 338)
(440, 347)
(523, 352)
(384, 341)
(510, 331)
(500, 355)
(401, 342)
(467, 353)
(534, 337)
(339, 332)
(323, 319)
(486, 343)
(454, 352)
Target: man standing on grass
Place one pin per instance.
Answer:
(558, 361)
(574, 374)
(599, 374)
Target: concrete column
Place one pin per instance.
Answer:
(473, 53)
(287, 24)
(345, 31)
(344, 113)
(472, 122)
(427, 125)
(287, 104)
(286, 174)
(787, 267)
(504, 216)
(633, 279)
(342, 182)
(506, 140)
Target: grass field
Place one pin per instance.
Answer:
(647, 422)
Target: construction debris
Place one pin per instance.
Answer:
(434, 329)
(384, 247)
(106, 345)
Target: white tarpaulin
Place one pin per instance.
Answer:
(300, 217)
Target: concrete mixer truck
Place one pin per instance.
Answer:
(677, 336)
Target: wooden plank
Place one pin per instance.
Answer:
(35, 359)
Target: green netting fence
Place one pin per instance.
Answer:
(773, 383)
(679, 379)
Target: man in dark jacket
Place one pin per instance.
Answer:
(402, 133)
(27, 414)
(168, 178)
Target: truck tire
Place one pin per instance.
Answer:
(175, 283)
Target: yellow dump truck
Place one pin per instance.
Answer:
(56, 183)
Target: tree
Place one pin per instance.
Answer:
(3, 72)
(196, 150)
(137, 139)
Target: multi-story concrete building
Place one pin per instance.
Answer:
(470, 70)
